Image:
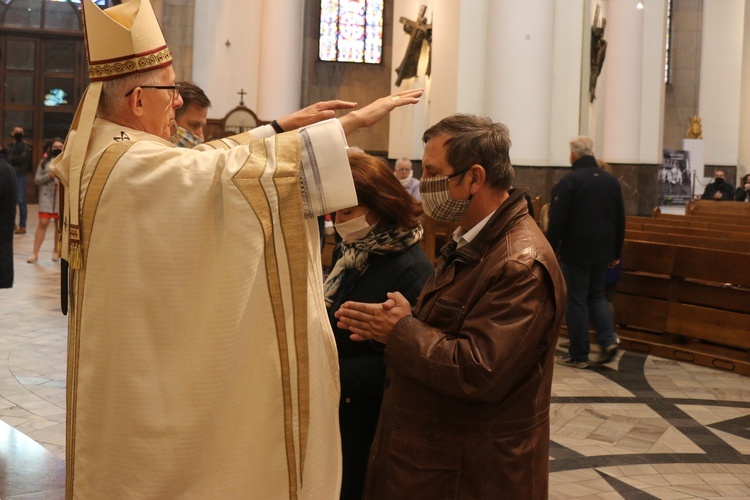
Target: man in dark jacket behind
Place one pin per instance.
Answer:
(8, 198)
(19, 155)
(719, 189)
(587, 223)
(465, 409)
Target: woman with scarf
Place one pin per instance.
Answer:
(48, 209)
(378, 254)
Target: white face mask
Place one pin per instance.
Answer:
(354, 229)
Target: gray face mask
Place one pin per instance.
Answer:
(437, 201)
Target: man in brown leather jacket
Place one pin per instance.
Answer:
(466, 404)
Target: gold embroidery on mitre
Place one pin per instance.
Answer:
(105, 70)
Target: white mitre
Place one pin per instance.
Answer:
(120, 41)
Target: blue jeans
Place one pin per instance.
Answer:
(586, 300)
(22, 209)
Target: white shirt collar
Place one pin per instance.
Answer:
(463, 237)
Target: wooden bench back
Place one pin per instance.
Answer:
(716, 219)
(677, 290)
(718, 208)
(689, 222)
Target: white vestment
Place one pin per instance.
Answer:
(201, 361)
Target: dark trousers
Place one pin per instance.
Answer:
(22, 209)
(587, 301)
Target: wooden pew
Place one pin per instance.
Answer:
(655, 227)
(728, 209)
(690, 222)
(686, 303)
(701, 218)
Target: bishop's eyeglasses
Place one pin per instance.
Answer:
(174, 90)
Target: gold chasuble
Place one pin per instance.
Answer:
(201, 361)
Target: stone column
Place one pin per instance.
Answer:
(280, 71)
(634, 82)
(518, 86)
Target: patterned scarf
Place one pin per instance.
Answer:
(355, 258)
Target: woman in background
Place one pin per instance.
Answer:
(378, 254)
(48, 208)
(743, 190)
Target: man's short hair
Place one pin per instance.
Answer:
(582, 146)
(192, 95)
(474, 140)
(113, 91)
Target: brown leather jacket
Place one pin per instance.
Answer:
(466, 407)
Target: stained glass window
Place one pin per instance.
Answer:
(351, 31)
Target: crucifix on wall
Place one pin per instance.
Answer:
(419, 32)
(598, 51)
(242, 96)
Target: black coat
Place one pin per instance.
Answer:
(587, 215)
(19, 155)
(727, 192)
(362, 368)
(8, 200)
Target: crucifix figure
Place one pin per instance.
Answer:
(419, 32)
(598, 51)
(242, 96)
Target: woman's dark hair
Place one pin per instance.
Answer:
(48, 149)
(379, 190)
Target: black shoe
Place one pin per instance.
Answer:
(568, 361)
(608, 353)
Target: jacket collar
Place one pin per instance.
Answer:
(505, 217)
(585, 161)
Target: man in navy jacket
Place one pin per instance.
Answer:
(587, 229)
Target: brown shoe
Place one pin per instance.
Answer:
(20, 230)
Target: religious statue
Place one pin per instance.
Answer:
(419, 32)
(598, 51)
(694, 130)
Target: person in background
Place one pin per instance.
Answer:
(743, 190)
(719, 189)
(19, 155)
(378, 254)
(191, 117)
(405, 175)
(48, 199)
(465, 411)
(8, 201)
(587, 224)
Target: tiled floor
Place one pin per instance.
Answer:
(639, 427)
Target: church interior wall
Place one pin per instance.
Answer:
(176, 19)
(226, 52)
(361, 83)
(744, 153)
(682, 98)
(720, 79)
(681, 92)
(407, 124)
